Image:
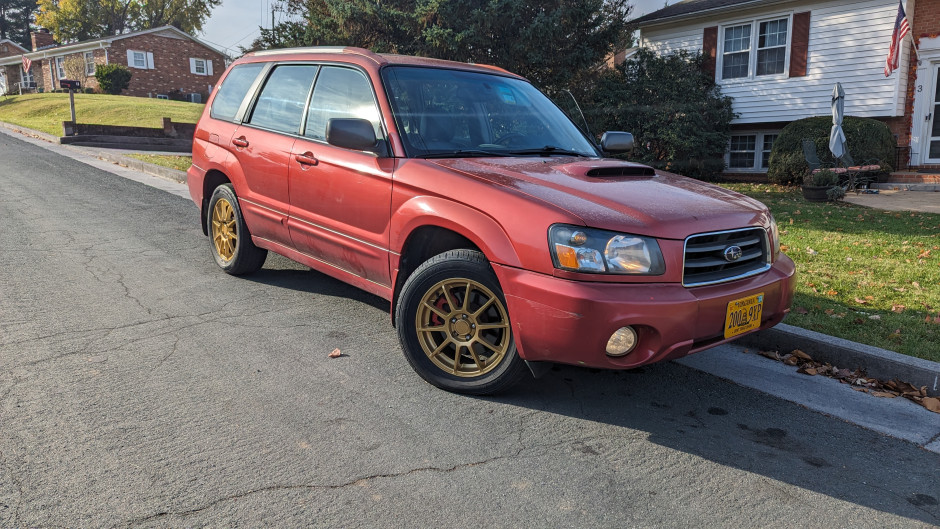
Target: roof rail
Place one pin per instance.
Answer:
(321, 49)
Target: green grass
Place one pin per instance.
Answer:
(180, 163)
(863, 274)
(46, 112)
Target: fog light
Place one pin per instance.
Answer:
(621, 342)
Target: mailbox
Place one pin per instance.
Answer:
(70, 85)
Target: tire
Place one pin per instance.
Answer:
(229, 239)
(454, 327)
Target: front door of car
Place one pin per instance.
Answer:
(340, 198)
(263, 144)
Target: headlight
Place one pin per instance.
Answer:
(604, 252)
(774, 238)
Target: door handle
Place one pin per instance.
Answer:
(240, 142)
(306, 158)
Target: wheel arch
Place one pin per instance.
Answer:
(213, 179)
(427, 226)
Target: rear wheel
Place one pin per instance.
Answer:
(230, 240)
(454, 326)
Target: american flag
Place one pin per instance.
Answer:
(26, 63)
(901, 29)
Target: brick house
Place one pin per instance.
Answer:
(162, 61)
(12, 74)
(779, 60)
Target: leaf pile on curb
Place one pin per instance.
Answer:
(857, 379)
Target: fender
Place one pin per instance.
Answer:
(475, 225)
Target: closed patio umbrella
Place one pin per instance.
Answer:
(837, 136)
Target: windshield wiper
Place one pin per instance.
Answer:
(550, 150)
(462, 153)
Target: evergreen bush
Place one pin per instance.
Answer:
(869, 142)
(112, 78)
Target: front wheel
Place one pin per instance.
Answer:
(454, 327)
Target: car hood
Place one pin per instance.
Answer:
(617, 195)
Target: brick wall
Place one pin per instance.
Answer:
(171, 66)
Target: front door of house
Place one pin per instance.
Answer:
(933, 129)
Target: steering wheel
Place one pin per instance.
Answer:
(506, 137)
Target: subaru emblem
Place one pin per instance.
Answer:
(732, 253)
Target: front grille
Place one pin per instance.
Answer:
(705, 261)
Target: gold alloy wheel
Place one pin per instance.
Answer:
(463, 327)
(224, 232)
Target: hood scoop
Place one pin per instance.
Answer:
(621, 170)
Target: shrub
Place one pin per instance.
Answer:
(112, 78)
(869, 141)
(821, 178)
(835, 193)
(676, 112)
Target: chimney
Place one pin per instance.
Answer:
(41, 39)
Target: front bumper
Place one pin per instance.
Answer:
(569, 322)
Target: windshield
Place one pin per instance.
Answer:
(453, 113)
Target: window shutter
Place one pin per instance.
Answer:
(799, 45)
(710, 49)
(192, 65)
(208, 66)
(150, 65)
(130, 58)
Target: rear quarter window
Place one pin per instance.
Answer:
(233, 91)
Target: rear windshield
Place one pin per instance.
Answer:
(440, 112)
(233, 91)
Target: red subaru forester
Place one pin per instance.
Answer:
(495, 227)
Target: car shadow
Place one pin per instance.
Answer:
(698, 414)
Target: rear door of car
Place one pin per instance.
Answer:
(262, 146)
(341, 198)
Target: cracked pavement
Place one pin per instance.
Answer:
(142, 387)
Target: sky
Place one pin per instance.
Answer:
(235, 22)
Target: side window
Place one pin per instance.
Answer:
(280, 106)
(233, 91)
(341, 93)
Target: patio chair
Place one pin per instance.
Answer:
(813, 161)
(860, 175)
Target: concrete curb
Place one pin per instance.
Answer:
(138, 165)
(878, 363)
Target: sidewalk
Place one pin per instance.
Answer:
(900, 197)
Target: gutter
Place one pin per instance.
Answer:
(706, 12)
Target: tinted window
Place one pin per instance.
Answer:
(280, 106)
(233, 90)
(341, 93)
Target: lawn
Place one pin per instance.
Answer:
(180, 163)
(46, 112)
(864, 274)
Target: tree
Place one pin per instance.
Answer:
(676, 112)
(554, 43)
(14, 20)
(74, 66)
(75, 20)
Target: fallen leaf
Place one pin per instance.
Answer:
(811, 251)
(924, 254)
(800, 310)
(801, 355)
(883, 394)
(860, 301)
(770, 354)
(807, 370)
(932, 404)
(831, 293)
(336, 353)
(898, 308)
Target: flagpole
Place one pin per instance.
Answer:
(914, 46)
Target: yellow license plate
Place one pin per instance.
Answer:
(743, 315)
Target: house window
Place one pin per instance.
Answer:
(737, 51)
(26, 78)
(142, 60)
(741, 154)
(89, 63)
(200, 66)
(750, 152)
(768, 142)
(60, 67)
(755, 49)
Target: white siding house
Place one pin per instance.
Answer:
(779, 61)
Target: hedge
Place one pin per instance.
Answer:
(869, 141)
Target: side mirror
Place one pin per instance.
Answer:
(351, 133)
(615, 142)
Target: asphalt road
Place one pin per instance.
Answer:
(142, 387)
